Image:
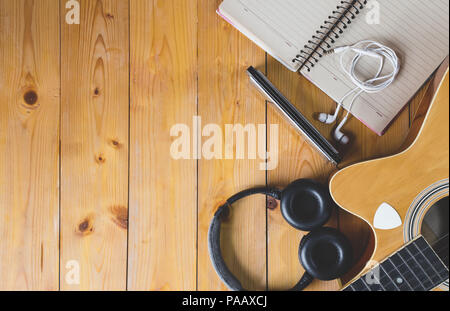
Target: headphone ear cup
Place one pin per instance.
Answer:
(326, 254)
(306, 204)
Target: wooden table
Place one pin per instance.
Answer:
(86, 177)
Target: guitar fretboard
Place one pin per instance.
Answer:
(416, 267)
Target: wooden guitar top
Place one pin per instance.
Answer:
(398, 180)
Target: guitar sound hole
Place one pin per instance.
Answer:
(435, 229)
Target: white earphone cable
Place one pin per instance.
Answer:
(374, 85)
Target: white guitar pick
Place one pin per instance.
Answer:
(387, 218)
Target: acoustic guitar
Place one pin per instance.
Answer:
(404, 199)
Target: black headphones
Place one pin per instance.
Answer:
(325, 253)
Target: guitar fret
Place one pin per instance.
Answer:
(388, 282)
(389, 285)
(430, 262)
(349, 288)
(382, 287)
(416, 267)
(416, 270)
(403, 267)
(421, 273)
(400, 278)
(425, 264)
(375, 287)
(433, 259)
(359, 286)
(406, 272)
(366, 285)
(395, 275)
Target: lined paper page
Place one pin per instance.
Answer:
(294, 20)
(417, 30)
(281, 27)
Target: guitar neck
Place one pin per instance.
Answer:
(416, 267)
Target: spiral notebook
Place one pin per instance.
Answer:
(298, 32)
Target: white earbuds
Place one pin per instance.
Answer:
(329, 118)
(339, 136)
(378, 83)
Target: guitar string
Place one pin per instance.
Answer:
(405, 264)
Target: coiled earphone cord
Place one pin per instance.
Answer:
(374, 85)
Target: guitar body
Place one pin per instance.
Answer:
(409, 183)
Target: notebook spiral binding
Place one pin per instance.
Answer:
(329, 32)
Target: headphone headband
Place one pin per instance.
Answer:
(214, 240)
(271, 192)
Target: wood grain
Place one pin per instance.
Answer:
(156, 63)
(226, 97)
(163, 205)
(94, 145)
(297, 160)
(29, 137)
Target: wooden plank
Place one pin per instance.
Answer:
(297, 160)
(227, 97)
(94, 145)
(163, 205)
(29, 145)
